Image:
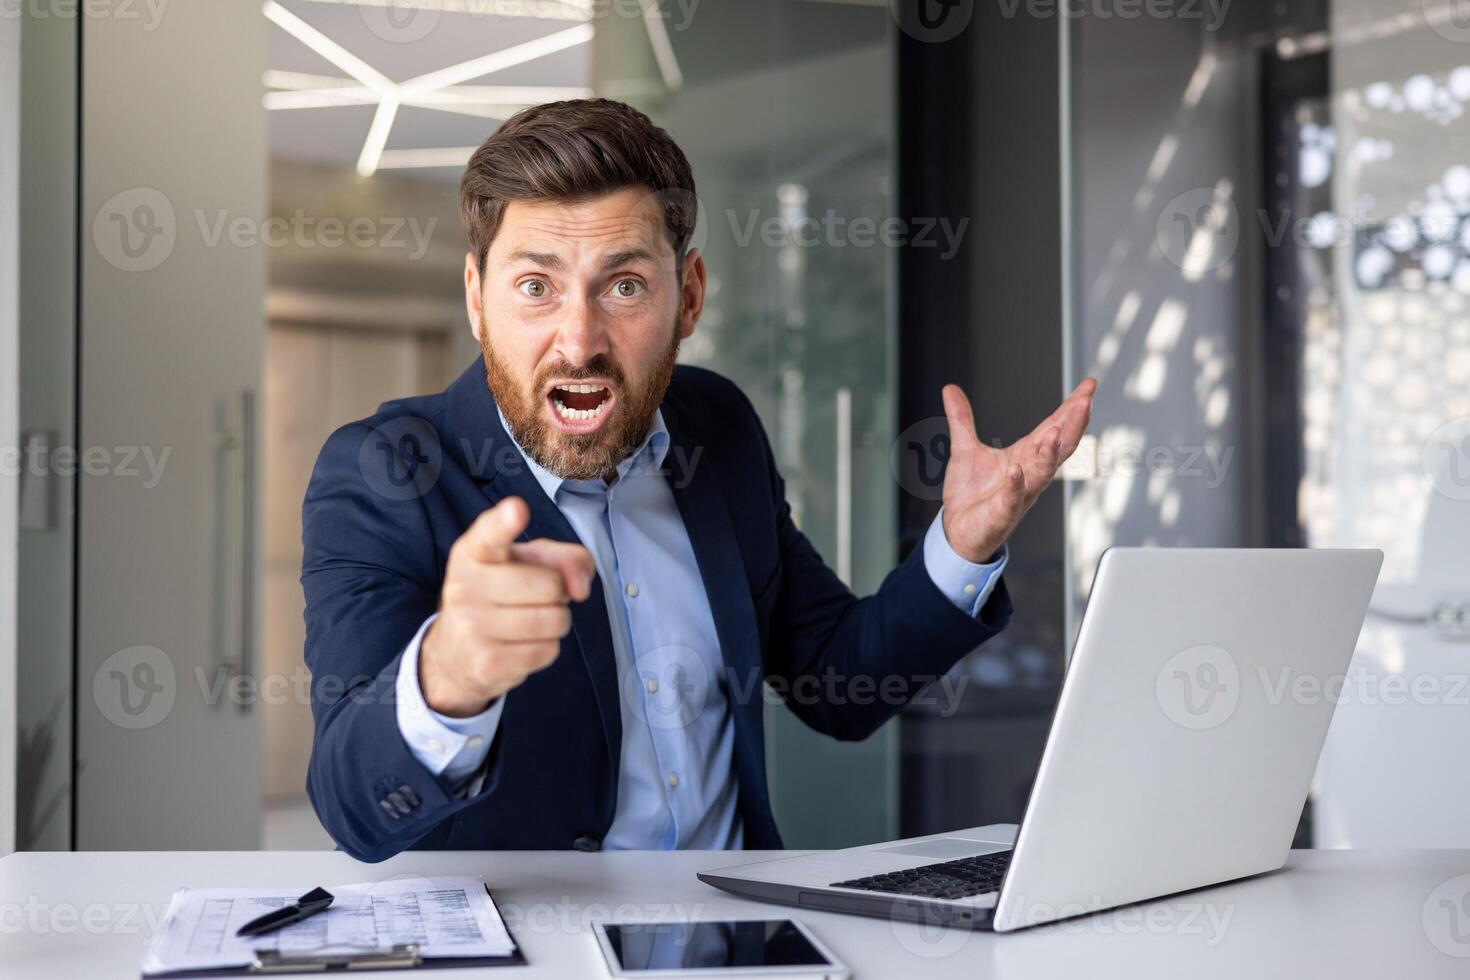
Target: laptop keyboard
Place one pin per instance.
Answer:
(951, 879)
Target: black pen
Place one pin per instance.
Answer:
(306, 906)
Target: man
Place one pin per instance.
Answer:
(540, 605)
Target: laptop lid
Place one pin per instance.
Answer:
(1189, 724)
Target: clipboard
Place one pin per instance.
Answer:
(399, 957)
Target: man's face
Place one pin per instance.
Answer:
(580, 313)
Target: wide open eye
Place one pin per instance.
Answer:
(534, 288)
(627, 288)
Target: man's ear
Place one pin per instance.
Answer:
(474, 296)
(691, 292)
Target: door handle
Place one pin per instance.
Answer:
(234, 570)
(246, 661)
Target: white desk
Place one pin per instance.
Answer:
(1339, 914)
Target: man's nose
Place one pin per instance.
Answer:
(581, 335)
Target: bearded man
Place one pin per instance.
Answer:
(541, 604)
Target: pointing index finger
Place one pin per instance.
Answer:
(488, 540)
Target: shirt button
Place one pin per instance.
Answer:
(436, 746)
(475, 742)
(652, 685)
(673, 780)
(632, 590)
(971, 589)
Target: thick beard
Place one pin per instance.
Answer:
(578, 457)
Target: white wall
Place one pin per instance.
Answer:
(9, 407)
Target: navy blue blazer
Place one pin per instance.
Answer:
(390, 495)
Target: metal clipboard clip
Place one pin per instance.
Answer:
(401, 957)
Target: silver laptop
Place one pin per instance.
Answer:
(1184, 741)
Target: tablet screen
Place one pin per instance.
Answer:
(707, 945)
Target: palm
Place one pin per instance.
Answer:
(987, 489)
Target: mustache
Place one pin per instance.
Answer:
(600, 366)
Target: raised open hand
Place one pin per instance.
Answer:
(988, 489)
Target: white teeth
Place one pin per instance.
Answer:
(577, 414)
(580, 389)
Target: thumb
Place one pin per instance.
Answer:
(488, 539)
(962, 438)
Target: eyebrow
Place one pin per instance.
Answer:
(628, 256)
(545, 259)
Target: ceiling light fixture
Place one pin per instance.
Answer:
(426, 90)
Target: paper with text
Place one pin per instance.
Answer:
(444, 917)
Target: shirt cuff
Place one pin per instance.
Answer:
(451, 748)
(966, 584)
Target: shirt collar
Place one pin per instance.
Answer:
(647, 459)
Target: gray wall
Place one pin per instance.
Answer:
(48, 357)
(9, 402)
(1164, 119)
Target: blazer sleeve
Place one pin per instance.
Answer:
(905, 635)
(371, 576)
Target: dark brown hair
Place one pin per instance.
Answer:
(572, 151)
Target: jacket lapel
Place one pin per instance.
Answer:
(478, 423)
(706, 513)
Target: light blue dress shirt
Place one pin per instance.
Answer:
(676, 785)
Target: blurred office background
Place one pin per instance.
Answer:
(229, 227)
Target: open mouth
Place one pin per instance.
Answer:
(580, 406)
